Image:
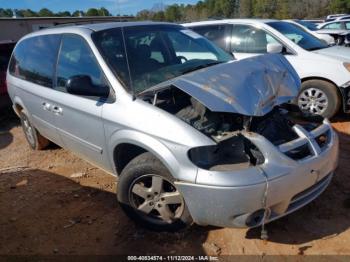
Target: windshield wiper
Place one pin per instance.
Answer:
(200, 67)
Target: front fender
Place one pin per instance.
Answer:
(173, 156)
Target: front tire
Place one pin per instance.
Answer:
(319, 97)
(33, 137)
(148, 195)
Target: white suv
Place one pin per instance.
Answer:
(324, 70)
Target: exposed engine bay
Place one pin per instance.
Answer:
(226, 129)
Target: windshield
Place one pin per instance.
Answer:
(308, 25)
(300, 37)
(155, 53)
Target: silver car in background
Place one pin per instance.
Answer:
(191, 134)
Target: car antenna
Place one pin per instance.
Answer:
(127, 64)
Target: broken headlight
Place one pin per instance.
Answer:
(234, 153)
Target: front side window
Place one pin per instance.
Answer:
(248, 39)
(157, 53)
(76, 59)
(347, 25)
(34, 59)
(300, 37)
(215, 33)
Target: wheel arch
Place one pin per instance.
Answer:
(18, 105)
(305, 79)
(127, 144)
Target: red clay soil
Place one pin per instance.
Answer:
(52, 202)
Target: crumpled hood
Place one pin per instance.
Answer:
(340, 53)
(252, 86)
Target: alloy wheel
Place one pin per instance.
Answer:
(28, 130)
(157, 198)
(313, 100)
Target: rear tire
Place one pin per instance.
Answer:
(319, 97)
(148, 195)
(35, 140)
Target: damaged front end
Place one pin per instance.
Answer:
(226, 100)
(259, 137)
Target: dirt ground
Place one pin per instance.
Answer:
(52, 202)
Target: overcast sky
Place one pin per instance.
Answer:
(126, 6)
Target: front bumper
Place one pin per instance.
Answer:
(236, 198)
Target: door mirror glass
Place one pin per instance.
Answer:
(274, 48)
(82, 85)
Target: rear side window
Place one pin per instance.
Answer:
(215, 33)
(34, 59)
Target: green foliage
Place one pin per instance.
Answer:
(92, 12)
(204, 9)
(5, 12)
(104, 12)
(173, 13)
(48, 13)
(45, 13)
(340, 6)
(280, 9)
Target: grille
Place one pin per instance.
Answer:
(309, 143)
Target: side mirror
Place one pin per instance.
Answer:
(82, 85)
(274, 48)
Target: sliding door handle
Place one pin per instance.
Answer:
(46, 106)
(57, 110)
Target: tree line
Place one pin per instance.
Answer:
(44, 12)
(280, 9)
(204, 9)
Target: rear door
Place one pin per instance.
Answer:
(77, 117)
(32, 67)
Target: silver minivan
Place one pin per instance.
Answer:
(191, 134)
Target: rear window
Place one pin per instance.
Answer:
(34, 59)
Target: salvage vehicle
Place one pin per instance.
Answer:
(333, 17)
(324, 70)
(340, 30)
(337, 17)
(191, 134)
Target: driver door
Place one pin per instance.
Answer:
(78, 118)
